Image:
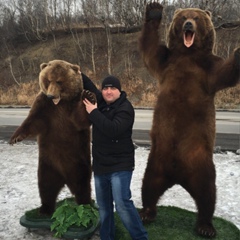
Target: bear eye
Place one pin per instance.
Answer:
(196, 18)
(46, 81)
(59, 83)
(184, 18)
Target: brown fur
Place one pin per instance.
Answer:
(183, 130)
(63, 134)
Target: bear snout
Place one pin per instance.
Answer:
(188, 33)
(55, 99)
(188, 26)
(50, 96)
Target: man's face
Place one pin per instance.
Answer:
(110, 94)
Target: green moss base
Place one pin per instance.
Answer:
(32, 219)
(174, 223)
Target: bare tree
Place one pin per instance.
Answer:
(128, 13)
(8, 24)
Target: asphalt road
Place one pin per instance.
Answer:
(227, 126)
(227, 129)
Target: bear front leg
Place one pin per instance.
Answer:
(149, 37)
(18, 135)
(153, 11)
(228, 73)
(33, 124)
(80, 117)
(154, 54)
(29, 128)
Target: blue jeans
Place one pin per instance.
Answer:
(115, 187)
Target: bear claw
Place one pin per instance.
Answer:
(206, 230)
(154, 11)
(89, 96)
(147, 215)
(16, 139)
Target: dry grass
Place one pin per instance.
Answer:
(126, 64)
(138, 93)
(24, 94)
(228, 98)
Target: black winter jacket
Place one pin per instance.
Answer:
(112, 146)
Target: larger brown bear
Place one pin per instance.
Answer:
(183, 130)
(59, 120)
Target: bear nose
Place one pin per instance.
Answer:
(188, 26)
(50, 96)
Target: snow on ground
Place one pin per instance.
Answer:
(19, 191)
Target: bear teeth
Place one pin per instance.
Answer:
(188, 38)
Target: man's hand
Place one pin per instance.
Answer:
(89, 106)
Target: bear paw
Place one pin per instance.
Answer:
(237, 56)
(206, 230)
(147, 215)
(154, 11)
(16, 138)
(46, 210)
(91, 97)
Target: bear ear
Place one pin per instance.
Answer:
(75, 67)
(43, 65)
(177, 11)
(208, 13)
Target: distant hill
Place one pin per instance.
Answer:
(99, 52)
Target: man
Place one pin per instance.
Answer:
(113, 157)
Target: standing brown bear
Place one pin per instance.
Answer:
(183, 130)
(59, 120)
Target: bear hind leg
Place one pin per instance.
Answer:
(50, 182)
(206, 205)
(154, 185)
(80, 184)
(204, 194)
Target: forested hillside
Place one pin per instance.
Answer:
(99, 35)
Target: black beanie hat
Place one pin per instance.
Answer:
(111, 81)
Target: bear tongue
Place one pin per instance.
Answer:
(56, 100)
(188, 38)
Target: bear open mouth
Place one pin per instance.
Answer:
(56, 100)
(188, 38)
